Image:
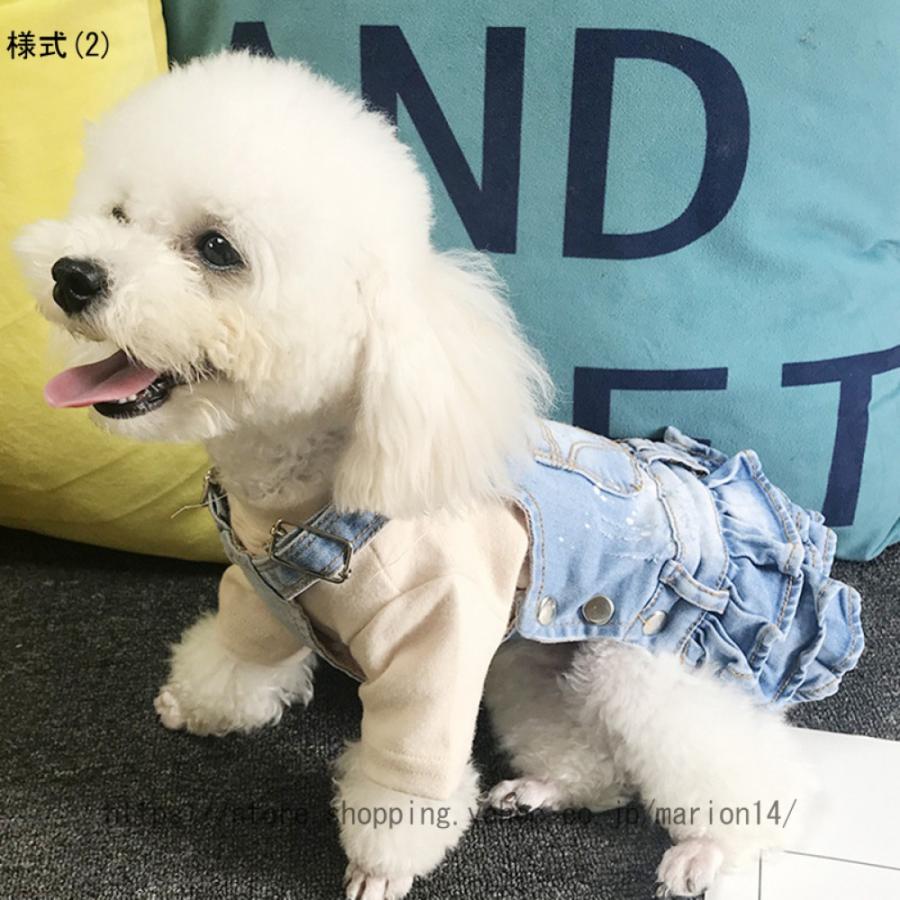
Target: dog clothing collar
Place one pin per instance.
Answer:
(297, 555)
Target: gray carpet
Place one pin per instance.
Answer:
(98, 801)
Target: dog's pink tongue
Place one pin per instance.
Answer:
(114, 378)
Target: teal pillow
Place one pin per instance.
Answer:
(695, 205)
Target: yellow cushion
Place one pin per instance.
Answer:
(58, 473)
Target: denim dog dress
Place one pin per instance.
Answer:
(677, 548)
(668, 545)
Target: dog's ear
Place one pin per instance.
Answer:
(449, 391)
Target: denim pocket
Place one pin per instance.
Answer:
(607, 464)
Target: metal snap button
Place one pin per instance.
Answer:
(546, 611)
(654, 622)
(598, 610)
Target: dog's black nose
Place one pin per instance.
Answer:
(78, 283)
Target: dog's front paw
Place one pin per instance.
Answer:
(390, 836)
(361, 885)
(212, 691)
(688, 869)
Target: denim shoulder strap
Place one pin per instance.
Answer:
(298, 554)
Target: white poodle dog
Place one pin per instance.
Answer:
(248, 257)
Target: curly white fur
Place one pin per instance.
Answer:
(353, 356)
(344, 313)
(212, 691)
(389, 836)
(592, 725)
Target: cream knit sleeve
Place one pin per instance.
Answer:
(425, 656)
(245, 625)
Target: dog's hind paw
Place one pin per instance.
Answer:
(360, 885)
(168, 709)
(520, 796)
(689, 868)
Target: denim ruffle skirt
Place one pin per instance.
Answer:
(789, 630)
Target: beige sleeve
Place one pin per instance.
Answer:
(425, 656)
(245, 625)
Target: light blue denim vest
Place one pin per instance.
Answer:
(668, 545)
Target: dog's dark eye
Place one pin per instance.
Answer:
(217, 252)
(119, 214)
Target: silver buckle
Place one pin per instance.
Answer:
(280, 529)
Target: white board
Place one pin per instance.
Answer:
(847, 845)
